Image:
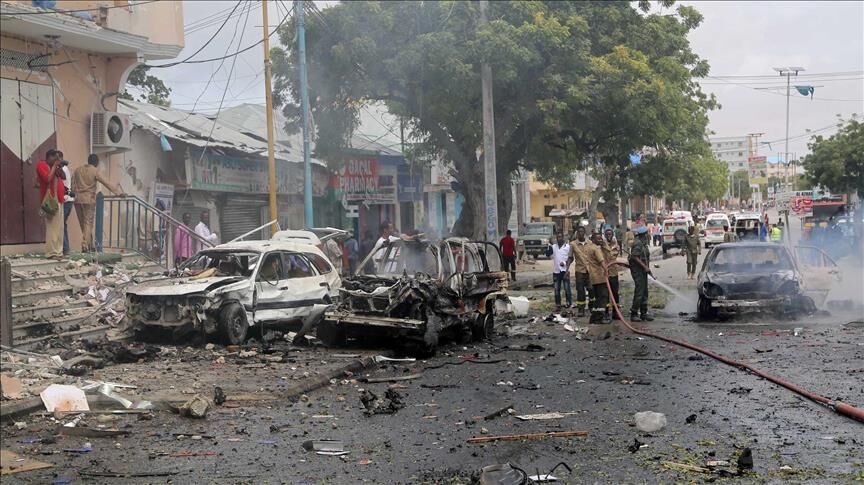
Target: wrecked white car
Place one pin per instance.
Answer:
(227, 289)
(411, 294)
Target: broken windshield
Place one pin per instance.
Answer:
(743, 259)
(406, 257)
(224, 263)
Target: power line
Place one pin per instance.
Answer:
(765, 90)
(212, 37)
(216, 16)
(774, 76)
(214, 21)
(56, 11)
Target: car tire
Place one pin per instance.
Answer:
(704, 311)
(484, 324)
(330, 334)
(233, 325)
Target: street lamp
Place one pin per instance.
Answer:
(788, 72)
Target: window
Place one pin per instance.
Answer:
(740, 144)
(547, 209)
(296, 266)
(740, 154)
(320, 263)
(271, 269)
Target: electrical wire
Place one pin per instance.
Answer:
(56, 11)
(775, 76)
(214, 21)
(212, 37)
(764, 90)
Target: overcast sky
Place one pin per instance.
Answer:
(737, 38)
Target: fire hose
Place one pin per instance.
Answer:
(836, 406)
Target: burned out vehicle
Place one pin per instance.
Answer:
(752, 276)
(414, 293)
(228, 288)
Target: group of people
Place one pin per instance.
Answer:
(592, 260)
(61, 190)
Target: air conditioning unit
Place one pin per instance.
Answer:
(109, 132)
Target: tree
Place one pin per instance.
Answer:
(577, 85)
(837, 163)
(741, 185)
(152, 89)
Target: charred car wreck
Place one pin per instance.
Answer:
(412, 294)
(752, 276)
(226, 289)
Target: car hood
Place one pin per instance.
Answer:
(181, 286)
(758, 282)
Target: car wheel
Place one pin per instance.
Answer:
(484, 325)
(330, 334)
(233, 325)
(704, 311)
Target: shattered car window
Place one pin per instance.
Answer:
(320, 263)
(226, 263)
(271, 269)
(748, 258)
(409, 258)
(296, 266)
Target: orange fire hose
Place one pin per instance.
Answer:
(837, 406)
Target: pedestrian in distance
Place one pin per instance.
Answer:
(352, 247)
(596, 261)
(508, 254)
(729, 236)
(611, 251)
(776, 234)
(691, 250)
(584, 290)
(640, 269)
(203, 229)
(85, 181)
(561, 259)
(52, 192)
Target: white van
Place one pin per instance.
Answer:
(714, 228)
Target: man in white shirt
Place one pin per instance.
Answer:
(561, 259)
(203, 229)
(68, 205)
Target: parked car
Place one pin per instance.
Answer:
(536, 237)
(229, 288)
(714, 228)
(675, 231)
(417, 293)
(752, 276)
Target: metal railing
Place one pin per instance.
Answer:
(131, 224)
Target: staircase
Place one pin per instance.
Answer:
(46, 305)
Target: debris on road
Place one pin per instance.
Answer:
(636, 446)
(390, 379)
(196, 407)
(530, 436)
(57, 397)
(11, 387)
(543, 416)
(218, 396)
(500, 412)
(649, 421)
(11, 463)
(503, 474)
(326, 447)
(375, 405)
(690, 419)
(745, 460)
(685, 467)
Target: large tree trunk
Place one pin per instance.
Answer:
(505, 201)
(595, 199)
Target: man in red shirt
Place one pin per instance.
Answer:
(508, 252)
(50, 175)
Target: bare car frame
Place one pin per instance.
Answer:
(412, 293)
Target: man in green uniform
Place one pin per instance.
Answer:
(729, 236)
(691, 249)
(640, 258)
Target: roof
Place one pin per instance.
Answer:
(268, 245)
(238, 132)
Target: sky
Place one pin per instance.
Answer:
(740, 40)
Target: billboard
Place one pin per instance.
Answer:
(758, 170)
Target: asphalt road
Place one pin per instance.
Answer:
(600, 380)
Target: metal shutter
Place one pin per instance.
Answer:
(239, 217)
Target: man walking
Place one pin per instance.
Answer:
(561, 259)
(640, 259)
(596, 262)
(508, 253)
(611, 251)
(84, 183)
(584, 291)
(51, 193)
(691, 249)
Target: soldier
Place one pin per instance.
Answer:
(640, 259)
(611, 251)
(691, 249)
(729, 236)
(596, 262)
(584, 293)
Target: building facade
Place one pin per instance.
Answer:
(58, 68)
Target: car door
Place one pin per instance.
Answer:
(270, 289)
(326, 274)
(304, 286)
(820, 273)
(450, 275)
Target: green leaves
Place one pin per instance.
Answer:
(837, 163)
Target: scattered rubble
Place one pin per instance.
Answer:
(391, 403)
(649, 421)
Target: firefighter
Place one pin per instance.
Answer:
(596, 262)
(579, 250)
(640, 259)
(611, 251)
(691, 249)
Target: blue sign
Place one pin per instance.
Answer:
(635, 158)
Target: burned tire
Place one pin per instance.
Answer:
(704, 311)
(233, 326)
(484, 325)
(331, 334)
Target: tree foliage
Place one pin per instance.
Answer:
(837, 163)
(577, 85)
(741, 185)
(152, 89)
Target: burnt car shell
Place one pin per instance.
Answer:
(744, 277)
(418, 292)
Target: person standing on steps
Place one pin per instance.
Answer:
(85, 180)
(640, 260)
(68, 202)
(596, 262)
(691, 249)
(49, 174)
(584, 291)
(611, 251)
(561, 259)
(203, 229)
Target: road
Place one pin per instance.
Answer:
(600, 380)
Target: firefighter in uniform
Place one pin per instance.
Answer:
(611, 251)
(596, 262)
(579, 251)
(640, 258)
(691, 249)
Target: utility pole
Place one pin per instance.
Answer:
(788, 72)
(489, 174)
(304, 104)
(268, 95)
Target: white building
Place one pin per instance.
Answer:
(734, 150)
